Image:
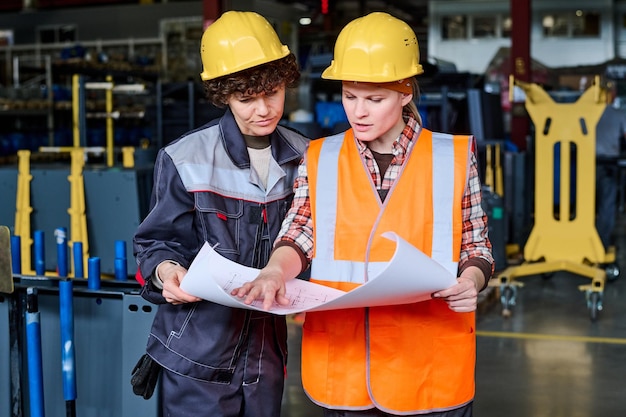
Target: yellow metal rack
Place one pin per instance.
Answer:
(24, 209)
(563, 237)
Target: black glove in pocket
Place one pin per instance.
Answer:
(145, 376)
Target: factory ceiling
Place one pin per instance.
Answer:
(414, 12)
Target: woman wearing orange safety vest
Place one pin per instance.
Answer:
(386, 173)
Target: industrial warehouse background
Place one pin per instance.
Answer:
(90, 90)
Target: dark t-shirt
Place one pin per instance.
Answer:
(383, 160)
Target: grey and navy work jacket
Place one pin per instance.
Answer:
(205, 190)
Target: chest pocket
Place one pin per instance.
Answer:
(221, 220)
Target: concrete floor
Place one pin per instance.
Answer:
(549, 359)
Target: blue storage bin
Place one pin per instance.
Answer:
(329, 113)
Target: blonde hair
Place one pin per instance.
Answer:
(411, 106)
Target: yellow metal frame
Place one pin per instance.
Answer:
(108, 95)
(493, 172)
(23, 209)
(109, 120)
(77, 210)
(76, 110)
(559, 240)
(128, 156)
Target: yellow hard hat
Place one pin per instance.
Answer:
(237, 41)
(375, 48)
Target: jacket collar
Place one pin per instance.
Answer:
(236, 149)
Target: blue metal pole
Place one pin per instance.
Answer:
(121, 270)
(93, 273)
(16, 255)
(79, 271)
(68, 358)
(33, 346)
(60, 234)
(40, 252)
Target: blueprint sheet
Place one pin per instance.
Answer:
(410, 276)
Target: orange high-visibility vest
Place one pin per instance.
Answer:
(410, 358)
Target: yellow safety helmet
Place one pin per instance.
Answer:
(375, 48)
(237, 41)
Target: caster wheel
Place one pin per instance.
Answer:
(612, 271)
(507, 299)
(594, 305)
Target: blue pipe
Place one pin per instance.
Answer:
(93, 273)
(16, 255)
(60, 234)
(40, 252)
(33, 346)
(68, 358)
(121, 270)
(79, 271)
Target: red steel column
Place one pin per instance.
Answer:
(211, 10)
(521, 66)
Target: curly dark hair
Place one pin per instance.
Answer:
(255, 80)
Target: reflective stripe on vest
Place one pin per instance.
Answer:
(405, 359)
(324, 263)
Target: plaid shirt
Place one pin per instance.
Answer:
(297, 229)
